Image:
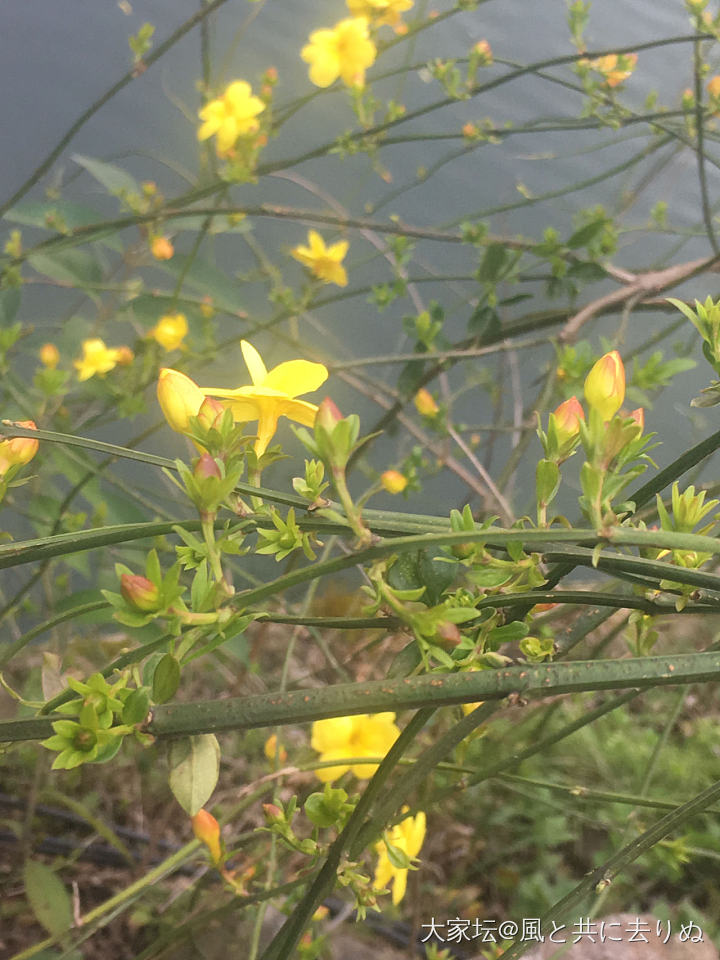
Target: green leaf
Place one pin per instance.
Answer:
(77, 267)
(493, 262)
(587, 233)
(194, 769)
(115, 180)
(9, 303)
(136, 707)
(48, 898)
(166, 679)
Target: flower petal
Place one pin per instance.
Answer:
(301, 411)
(295, 377)
(254, 363)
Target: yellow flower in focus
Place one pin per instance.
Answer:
(345, 50)
(324, 262)
(18, 450)
(408, 836)
(98, 359)
(179, 397)
(230, 116)
(393, 481)
(161, 248)
(365, 735)
(380, 11)
(272, 394)
(49, 355)
(170, 331)
(605, 385)
(425, 403)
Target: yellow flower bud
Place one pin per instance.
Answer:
(179, 397)
(18, 450)
(713, 87)
(425, 403)
(125, 356)
(170, 331)
(567, 419)
(49, 355)
(161, 248)
(207, 829)
(393, 481)
(605, 385)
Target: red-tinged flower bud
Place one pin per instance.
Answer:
(393, 481)
(139, 592)
(18, 450)
(206, 467)
(125, 356)
(425, 403)
(638, 416)
(273, 813)
(605, 385)
(210, 412)
(327, 415)
(179, 397)
(207, 830)
(567, 419)
(448, 633)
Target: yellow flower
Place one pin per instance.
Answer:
(324, 262)
(161, 248)
(49, 355)
(605, 385)
(179, 397)
(344, 51)
(393, 481)
(425, 403)
(364, 735)
(408, 836)
(615, 69)
(207, 830)
(230, 116)
(170, 331)
(272, 394)
(18, 450)
(272, 750)
(380, 11)
(97, 358)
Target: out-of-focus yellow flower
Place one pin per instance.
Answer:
(18, 450)
(615, 69)
(713, 86)
(161, 248)
(272, 750)
(99, 359)
(567, 419)
(179, 397)
(230, 116)
(408, 836)
(207, 830)
(272, 394)
(380, 11)
(605, 385)
(49, 355)
(393, 481)
(170, 331)
(425, 403)
(344, 50)
(365, 735)
(324, 262)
